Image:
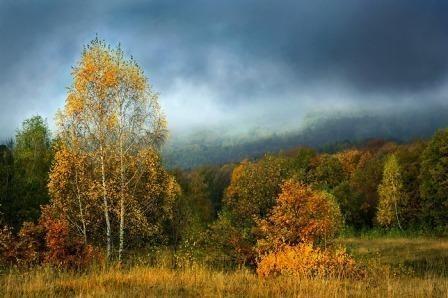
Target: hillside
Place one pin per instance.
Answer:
(327, 132)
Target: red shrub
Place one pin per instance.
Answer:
(65, 250)
(48, 242)
(7, 247)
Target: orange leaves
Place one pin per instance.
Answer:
(305, 261)
(110, 76)
(74, 104)
(106, 71)
(302, 219)
(111, 121)
(48, 242)
(300, 215)
(135, 77)
(349, 160)
(64, 250)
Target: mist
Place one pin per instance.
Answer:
(234, 66)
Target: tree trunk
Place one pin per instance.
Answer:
(122, 194)
(106, 206)
(81, 211)
(396, 215)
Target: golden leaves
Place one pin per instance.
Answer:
(110, 77)
(74, 104)
(108, 128)
(300, 215)
(112, 121)
(306, 261)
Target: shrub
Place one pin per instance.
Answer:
(300, 215)
(304, 261)
(30, 244)
(47, 242)
(229, 244)
(64, 250)
(23, 249)
(7, 247)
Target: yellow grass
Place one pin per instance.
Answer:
(417, 256)
(143, 281)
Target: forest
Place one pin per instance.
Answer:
(94, 208)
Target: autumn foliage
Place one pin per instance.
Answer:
(301, 215)
(47, 242)
(297, 232)
(107, 178)
(306, 261)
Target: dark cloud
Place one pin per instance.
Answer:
(232, 60)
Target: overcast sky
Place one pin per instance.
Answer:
(216, 62)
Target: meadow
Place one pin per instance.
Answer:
(400, 267)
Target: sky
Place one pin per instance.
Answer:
(233, 62)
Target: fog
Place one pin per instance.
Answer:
(233, 65)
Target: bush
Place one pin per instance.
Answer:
(64, 250)
(304, 261)
(23, 249)
(47, 242)
(301, 215)
(7, 247)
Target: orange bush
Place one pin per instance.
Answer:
(31, 244)
(300, 215)
(304, 261)
(65, 250)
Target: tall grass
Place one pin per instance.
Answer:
(159, 278)
(419, 256)
(199, 281)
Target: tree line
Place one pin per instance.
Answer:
(380, 185)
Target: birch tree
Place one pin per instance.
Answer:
(112, 117)
(391, 194)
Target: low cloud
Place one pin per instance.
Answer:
(247, 62)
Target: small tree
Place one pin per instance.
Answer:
(391, 194)
(32, 157)
(254, 187)
(250, 196)
(301, 215)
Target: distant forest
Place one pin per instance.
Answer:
(325, 133)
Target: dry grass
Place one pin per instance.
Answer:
(143, 281)
(415, 256)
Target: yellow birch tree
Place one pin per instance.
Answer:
(112, 118)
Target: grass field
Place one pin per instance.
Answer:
(417, 257)
(407, 268)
